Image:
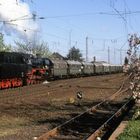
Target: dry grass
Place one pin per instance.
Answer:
(10, 125)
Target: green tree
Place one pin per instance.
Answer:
(74, 54)
(3, 46)
(40, 49)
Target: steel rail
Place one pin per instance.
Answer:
(109, 124)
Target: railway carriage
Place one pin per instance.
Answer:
(113, 68)
(119, 68)
(87, 68)
(74, 68)
(98, 68)
(106, 67)
(60, 68)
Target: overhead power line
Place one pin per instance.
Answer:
(25, 17)
(95, 13)
(120, 13)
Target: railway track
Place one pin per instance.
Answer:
(96, 123)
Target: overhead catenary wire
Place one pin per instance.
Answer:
(125, 24)
(120, 13)
(29, 18)
(95, 13)
(129, 10)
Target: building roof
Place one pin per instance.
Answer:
(73, 62)
(57, 56)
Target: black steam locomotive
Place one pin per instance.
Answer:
(16, 69)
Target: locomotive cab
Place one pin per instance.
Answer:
(42, 66)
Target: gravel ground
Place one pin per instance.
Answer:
(28, 112)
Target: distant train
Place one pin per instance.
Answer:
(19, 69)
(69, 68)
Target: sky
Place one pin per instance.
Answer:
(67, 23)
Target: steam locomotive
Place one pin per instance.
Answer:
(19, 69)
(16, 69)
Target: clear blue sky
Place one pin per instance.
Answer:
(83, 18)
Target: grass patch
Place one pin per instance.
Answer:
(132, 132)
(11, 125)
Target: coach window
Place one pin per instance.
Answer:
(19, 60)
(7, 59)
(63, 65)
(4, 58)
(22, 60)
(47, 62)
(57, 66)
(14, 59)
(1, 58)
(60, 66)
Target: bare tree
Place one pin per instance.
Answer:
(41, 49)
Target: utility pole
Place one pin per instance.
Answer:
(104, 43)
(70, 41)
(108, 54)
(120, 56)
(94, 59)
(120, 51)
(86, 49)
(70, 38)
(114, 55)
